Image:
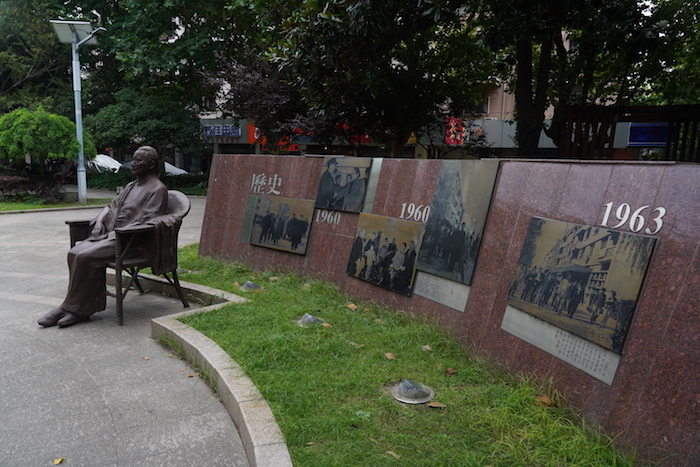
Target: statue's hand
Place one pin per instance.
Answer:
(97, 230)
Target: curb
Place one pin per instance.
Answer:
(262, 438)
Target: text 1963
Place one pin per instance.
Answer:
(636, 218)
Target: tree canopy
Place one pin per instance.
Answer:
(150, 119)
(43, 135)
(340, 68)
(571, 52)
(34, 67)
(383, 68)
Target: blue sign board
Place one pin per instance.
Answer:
(648, 135)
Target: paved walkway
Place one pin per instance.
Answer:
(95, 394)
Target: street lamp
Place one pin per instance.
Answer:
(77, 33)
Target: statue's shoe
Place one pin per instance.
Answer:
(52, 317)
(69, 319)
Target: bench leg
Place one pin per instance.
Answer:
(180, 293)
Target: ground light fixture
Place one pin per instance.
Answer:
(77, 33)
(409, 391)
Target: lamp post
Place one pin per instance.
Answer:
(77, 33)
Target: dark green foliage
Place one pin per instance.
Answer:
(34, 67)
(42, 135)
(384, 68)
(22, 189)
(151, 117)
(189, 184)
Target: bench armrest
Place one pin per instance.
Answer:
(79, 231)
(135, 229)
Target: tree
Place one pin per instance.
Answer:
(43, 135)
(469, 140)
(384, 68)
(564, 52)
(34, 71)
(152, 119)
(679, 82)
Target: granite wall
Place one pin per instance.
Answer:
(655, 396)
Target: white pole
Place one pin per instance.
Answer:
(82, 179)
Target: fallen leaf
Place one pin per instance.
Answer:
(378, 321)
(190, 376)
(355, 344)
(450, 372)
(437, 405)
(426, 348)
(544, 400)
(326, 325)
(273, 279)
(182, 369)
(236, 284)
(374, 441)
(394, 454)
(310, 443)
(305, 287)
(352, 306)
(390, 356)
(58, 461)
(170, 355)
(146, 358)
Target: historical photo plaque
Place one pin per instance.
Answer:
(343, 183)
(384, 252)
(440, 290)
(282, 223)
(581, 278)
(578, 352)
(457, 218)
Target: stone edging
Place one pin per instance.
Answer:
(262, 438)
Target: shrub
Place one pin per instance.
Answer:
(189, 184)
(16, 188)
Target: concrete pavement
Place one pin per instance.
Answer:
(96, 394)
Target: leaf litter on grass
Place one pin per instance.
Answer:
(317, 380)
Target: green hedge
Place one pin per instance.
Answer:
(189, 184)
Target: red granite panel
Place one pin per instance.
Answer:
(479, 304)
(679, 195)
(319, 257)
(654, 396)
(405, 181)
(383, 195)
(612, 405)
(576, 385)
(302, 175)
(580, 203)
(492, 340)
(667, 412)
(505, 207)
(530, 360)
(683, 327)
(665, 277)
(693, 458)
(636, 185)
(545, 188)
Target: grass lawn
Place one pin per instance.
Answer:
(38, 204)
(329, 385)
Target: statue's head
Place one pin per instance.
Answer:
(149, 154)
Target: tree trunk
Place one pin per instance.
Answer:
(531, 94)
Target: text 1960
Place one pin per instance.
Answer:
(416, 213)
(330, 217)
